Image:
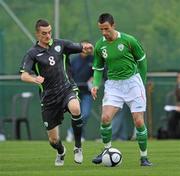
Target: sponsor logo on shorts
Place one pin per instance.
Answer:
(138, 107)
(46, 124)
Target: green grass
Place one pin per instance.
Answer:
(36, 158)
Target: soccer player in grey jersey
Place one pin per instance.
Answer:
(43, 64)
(126, 72)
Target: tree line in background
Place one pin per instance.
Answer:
(155, 23)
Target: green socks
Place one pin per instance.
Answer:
(142, 139)
(106, 132)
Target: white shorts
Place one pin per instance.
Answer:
(130, 91)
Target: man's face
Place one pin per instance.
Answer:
(44, 34)
(107, 30)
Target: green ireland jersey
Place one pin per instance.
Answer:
(121, 56)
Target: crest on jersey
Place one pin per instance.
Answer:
(57, 48)
(120, 47)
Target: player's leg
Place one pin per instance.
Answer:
(56, 143)
(108, 113)
(52, 118)
(77, 123)
(136, 100)
(70, 134)
(111, 103)
(141, 133)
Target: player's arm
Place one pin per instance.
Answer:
(26, 69)
(97, 78)
(98, 67)
(140, 57)
(87, 48)
(72, 48)
(142, 67)
(25, 76)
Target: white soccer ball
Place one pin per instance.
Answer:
(111, 157)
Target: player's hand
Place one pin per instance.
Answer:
(94, 92)
(39, 79)
(87, 48)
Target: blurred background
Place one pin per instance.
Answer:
(155, 23)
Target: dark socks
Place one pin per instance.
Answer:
(58, 146)
(77, 124)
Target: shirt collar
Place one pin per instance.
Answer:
(119, 36)
(41, 48)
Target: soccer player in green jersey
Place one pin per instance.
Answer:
(126, 71)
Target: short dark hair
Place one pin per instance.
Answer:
(40, 23)
(85, 41)
(106, 17)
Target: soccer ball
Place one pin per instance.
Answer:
(111, 157)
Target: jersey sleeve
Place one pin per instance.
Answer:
(71, 47)
(140, 57)
(98, 67)
(27, 64)
(137, 50)
(98, 62)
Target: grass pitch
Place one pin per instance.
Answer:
(36, 158)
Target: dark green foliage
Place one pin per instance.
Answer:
(155, 23)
